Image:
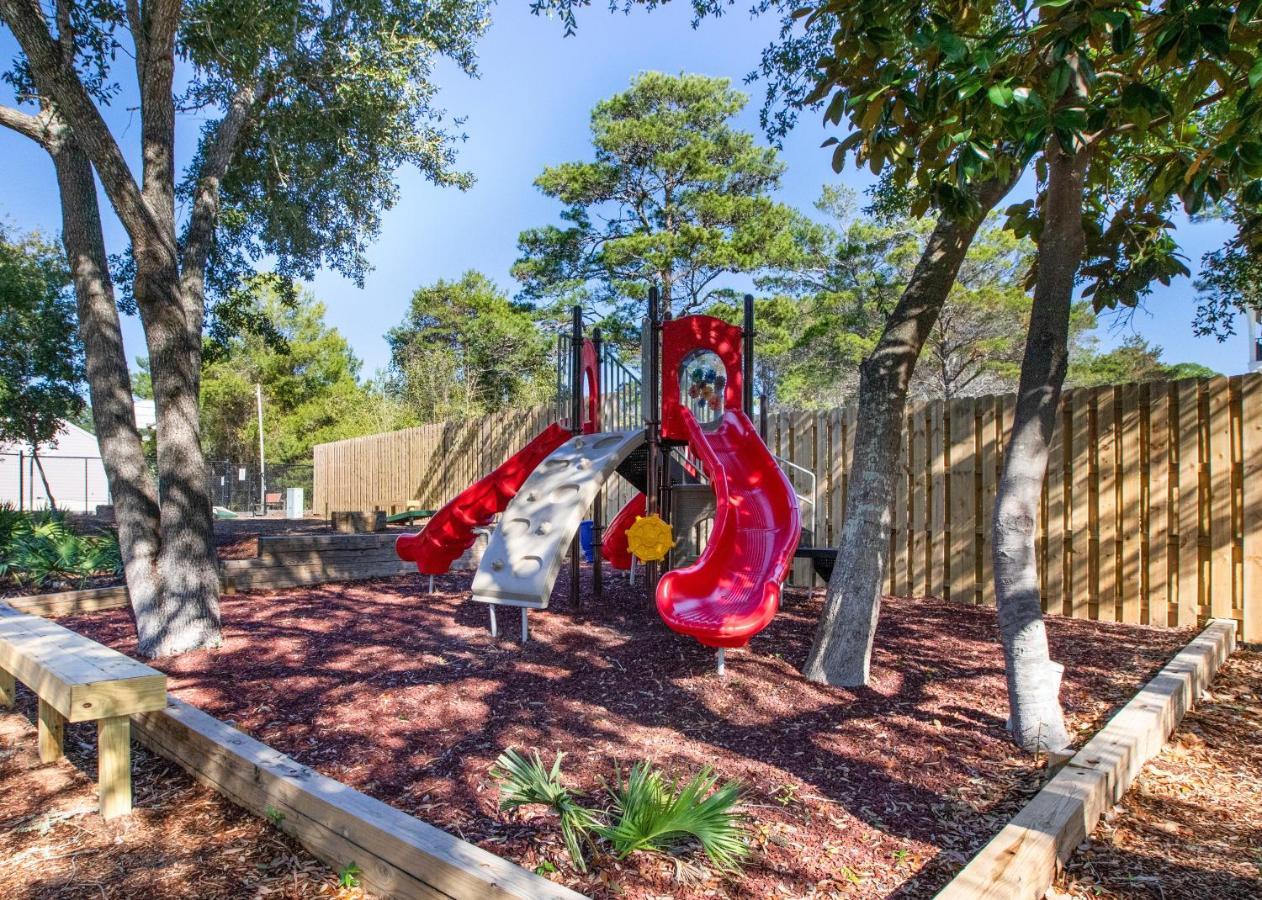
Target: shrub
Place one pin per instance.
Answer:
(39, 547)
(647, 812)
(653, 814)
(525, 781)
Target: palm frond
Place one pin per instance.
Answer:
(652, 814)
(524, 782)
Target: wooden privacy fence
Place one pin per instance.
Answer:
(1151, 511)
(421, 467)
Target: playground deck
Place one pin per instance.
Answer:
(406, 697)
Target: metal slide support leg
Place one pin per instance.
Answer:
(431, 584)
(494, 629)
(721, 662)
(525, 629)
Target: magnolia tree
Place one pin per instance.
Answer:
(305, 111)
(1125, 108)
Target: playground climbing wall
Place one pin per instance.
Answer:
(1152, 509)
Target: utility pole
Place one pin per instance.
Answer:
(258, 397)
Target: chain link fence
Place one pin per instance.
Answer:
(78, 484)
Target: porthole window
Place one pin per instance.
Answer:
(702, 381)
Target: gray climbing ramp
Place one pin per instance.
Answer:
(525, 551)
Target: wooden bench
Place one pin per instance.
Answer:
(79, 680)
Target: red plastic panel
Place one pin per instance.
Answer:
(591, 377)
(613, 543)
(732, 591)
(450, 532)
(680, 337)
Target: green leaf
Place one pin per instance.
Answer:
(652, 814)
(1001, 95)
(1255, 74)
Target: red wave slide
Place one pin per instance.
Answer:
(733, 590)
(613, 543)
(450, 532)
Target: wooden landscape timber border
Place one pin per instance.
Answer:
(282, 561)
(398, 855)
(69, 603)
(1020, 862)
(1151, 510)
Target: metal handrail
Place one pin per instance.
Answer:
(813, 498)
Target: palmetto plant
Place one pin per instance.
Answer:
(648, 812)
(39, 547)
(525, 781)
(651, 813)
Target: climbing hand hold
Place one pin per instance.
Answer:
(650, 538)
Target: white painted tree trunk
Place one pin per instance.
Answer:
(1036, 720)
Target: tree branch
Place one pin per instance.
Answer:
(43, 129)
(160, 20)
(216, 158)
(58, 81)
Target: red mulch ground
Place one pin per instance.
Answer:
(181, 841)
(876, 792)
(1191, 825)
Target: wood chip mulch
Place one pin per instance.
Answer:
(1191, 825)
(182, 840)
(875, 792)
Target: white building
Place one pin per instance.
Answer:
(72, 465)
(1254, 318)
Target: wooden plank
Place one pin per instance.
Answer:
(963, 513)
(919, 507)
(1189, 501)
(899, 581)
(1054, 598)
(113, 772)
(988, 444)
(52, 731)
(937, 499)
(1130, 471)
(398, 855)
(1251, 505)
(67, 603)
(1157, 506)
(79, 678)
(1220, 530)
(1020, 862)
(1080, 456)
(1106, 598)
(298, 542)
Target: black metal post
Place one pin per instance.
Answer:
(652, 380)
(598, 507)
(762, 416)
(576, 428)
(747, 396)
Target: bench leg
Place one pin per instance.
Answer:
(8, 695)
(52, 727)
(113, 776)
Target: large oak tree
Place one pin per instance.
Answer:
(307, 109)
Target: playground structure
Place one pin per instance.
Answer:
(682, 437)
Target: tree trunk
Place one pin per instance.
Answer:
(109, 387)
(188, 565)
(842, 650)
(1035, 717)
(48, 491)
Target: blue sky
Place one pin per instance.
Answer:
(530, 109)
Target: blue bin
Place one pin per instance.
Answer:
(585, 538)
